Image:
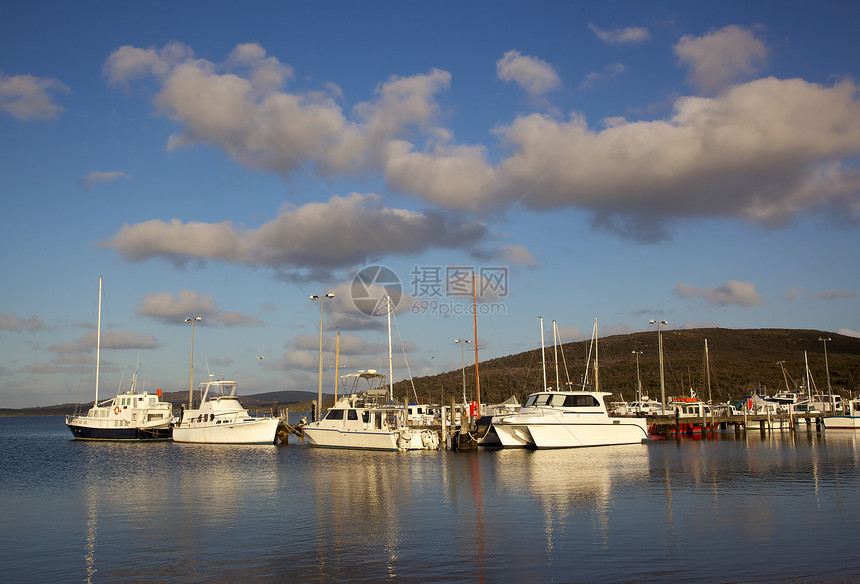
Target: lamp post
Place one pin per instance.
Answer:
(660, 350)
(192, 320)
(319, 393)
(638, 378)
(827, 369)
(463, 357)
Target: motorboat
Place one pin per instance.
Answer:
(565, 419)
(126, 416)
(221, 419)
(367, 419)
(850, 420)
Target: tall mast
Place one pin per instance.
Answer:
(708, 370)
(475, 315)
(98, 343)
(596, 365)
(555, 352)
(542, 353)
(390, 361)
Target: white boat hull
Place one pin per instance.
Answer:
(568, 431)
(842, 422)
(258, 431)
(370, 439)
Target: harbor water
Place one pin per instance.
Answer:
(776, 507)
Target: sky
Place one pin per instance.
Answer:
(608, 162)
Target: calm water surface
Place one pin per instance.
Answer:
(775, 508)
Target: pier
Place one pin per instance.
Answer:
(764, 422)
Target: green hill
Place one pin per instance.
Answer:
(740, 360)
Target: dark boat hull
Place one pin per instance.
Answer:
(131, 434)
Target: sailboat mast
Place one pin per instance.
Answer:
(98, 343)
(555, 352)
(336, 364)
(390, 360)
(475, 315)
(596, 364)
(708, 370)
(542, 353)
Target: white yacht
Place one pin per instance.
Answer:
(221, 419)
(126, 416)
(564, 419)
(366, 418)
(849, 421)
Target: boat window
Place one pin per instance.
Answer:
(364, 416)
(352, 415)
(542, 399)
(581, 401)
(531, 400)
(556, 400)
(334, 415)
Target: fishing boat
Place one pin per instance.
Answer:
(367, 418)
(126, 416)
(221, 419)
(850, 421)
(564, 419)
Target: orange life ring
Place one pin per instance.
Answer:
(116, 410)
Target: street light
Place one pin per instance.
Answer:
(192, 320)
(660, 350)
(827, 369)
(319, 397)
(638, 378)
(463, 357)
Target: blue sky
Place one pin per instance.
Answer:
(625, 161)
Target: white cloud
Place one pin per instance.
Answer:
(848, 332)
(534, 76)
(617, 36)
(765, 151)
(29, 98)
(172, 309)
(609, 72)
(10, 322)
(835, 294)
(109, 340)
(721, 57)
(730, 293)
(98, 177)
(339, 233)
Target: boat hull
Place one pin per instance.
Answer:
(370, 439)
(258, 431)
(842, 422)
(542, 433)
(84, 432)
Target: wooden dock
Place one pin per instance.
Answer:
(672, 425)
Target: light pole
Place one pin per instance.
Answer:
(827, 369)
(638, 378)
(660, 350)
(319, 393)
(192, 320)
(463, 357)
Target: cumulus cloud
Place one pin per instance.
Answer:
(629, 35)
(171, 309)
(10, 322)
(765, 151)
(730, 293)
(339, 233)
(113, 340)
(534, 76)
(609, 72)
(98, 177)
(29, 98)
(721, 57)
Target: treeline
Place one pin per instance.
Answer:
(738, 360)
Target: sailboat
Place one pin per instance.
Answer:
(551, 418)
(367, 417)
(126, 416)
